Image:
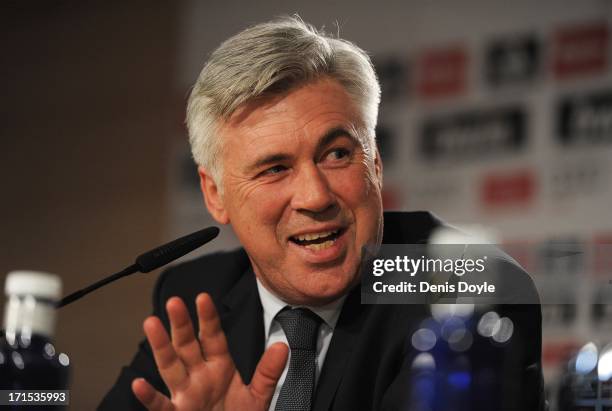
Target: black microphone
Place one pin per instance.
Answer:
(151, 260)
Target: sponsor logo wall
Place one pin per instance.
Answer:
(515, 132)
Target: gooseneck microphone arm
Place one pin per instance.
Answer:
(151, 260)
(81, 293)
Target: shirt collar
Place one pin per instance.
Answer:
(272, 305)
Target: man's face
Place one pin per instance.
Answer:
(299, 191)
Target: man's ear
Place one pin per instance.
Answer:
(212, 197)
(378, 167)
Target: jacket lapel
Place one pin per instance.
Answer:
(340, 349)
(243, 325)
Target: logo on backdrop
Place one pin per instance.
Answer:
(442, 72)
(512, 60)
(585, 120)
(508, 189)
(474, 135)
(581, 50)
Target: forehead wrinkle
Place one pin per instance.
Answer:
(260, 132)
(332, 120)
(279, 109)
(284, 109)
(280, 119)
(258, 153)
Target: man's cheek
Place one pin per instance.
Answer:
(360, 187)
(257, 213)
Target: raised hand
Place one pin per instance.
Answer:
(200, 373)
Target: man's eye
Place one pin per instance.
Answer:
(338, 154)
(274, 170)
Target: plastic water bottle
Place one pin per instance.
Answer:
(28, 358)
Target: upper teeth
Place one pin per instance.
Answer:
(314, 236)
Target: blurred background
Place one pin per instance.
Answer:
(496, 114)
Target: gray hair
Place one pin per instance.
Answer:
(269, 59)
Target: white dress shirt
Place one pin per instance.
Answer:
(274, 333)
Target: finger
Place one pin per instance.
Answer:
(152, 399)
(183, 339)
(170, 367)
(269, 370)
(212, 337)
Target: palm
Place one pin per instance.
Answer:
(200, 374)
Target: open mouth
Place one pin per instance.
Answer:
(317, 241)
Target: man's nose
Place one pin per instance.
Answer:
(312, 191)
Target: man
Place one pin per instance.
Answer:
(281, 123)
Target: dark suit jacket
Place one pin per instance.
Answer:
(369, 361)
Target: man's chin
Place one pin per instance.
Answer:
(323, 290)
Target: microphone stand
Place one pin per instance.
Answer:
(150, 260)
(78, 294)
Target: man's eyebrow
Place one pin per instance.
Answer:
(333, 134)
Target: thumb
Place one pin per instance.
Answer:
(268, 371)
